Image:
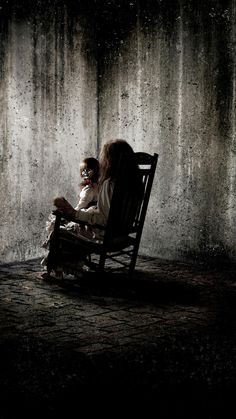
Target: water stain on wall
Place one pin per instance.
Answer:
(170, 70)
(49, 83)
(159, 73)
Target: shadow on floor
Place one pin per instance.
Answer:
(140, 288)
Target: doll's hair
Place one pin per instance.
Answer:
(90, 163)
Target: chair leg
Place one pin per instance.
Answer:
(133, 261)
(52, 259)
(101, 264)
(52, 256)
(50, 264)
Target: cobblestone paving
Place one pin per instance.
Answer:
(165, 339)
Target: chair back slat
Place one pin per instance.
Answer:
(128, 207)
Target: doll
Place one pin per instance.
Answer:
(89, 172)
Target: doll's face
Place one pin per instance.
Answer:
(87, 173)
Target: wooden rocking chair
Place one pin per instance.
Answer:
(123, 231)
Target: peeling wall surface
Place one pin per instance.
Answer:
(158, 73)
(48, 116)
(167, 72)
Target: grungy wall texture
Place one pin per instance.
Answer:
(167, 72)
(159, 73)
(48, 115)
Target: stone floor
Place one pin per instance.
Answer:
(163, 343)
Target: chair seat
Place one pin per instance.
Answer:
(92, 246)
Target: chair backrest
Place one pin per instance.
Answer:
(128, 207)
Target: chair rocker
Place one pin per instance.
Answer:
(123, 231)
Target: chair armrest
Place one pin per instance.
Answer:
(85, 223)
(59, 215)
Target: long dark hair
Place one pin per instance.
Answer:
(110, 158)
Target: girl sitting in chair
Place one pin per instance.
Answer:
(110, 156)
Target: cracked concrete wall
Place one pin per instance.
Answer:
(167, 85)
(48, 115)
